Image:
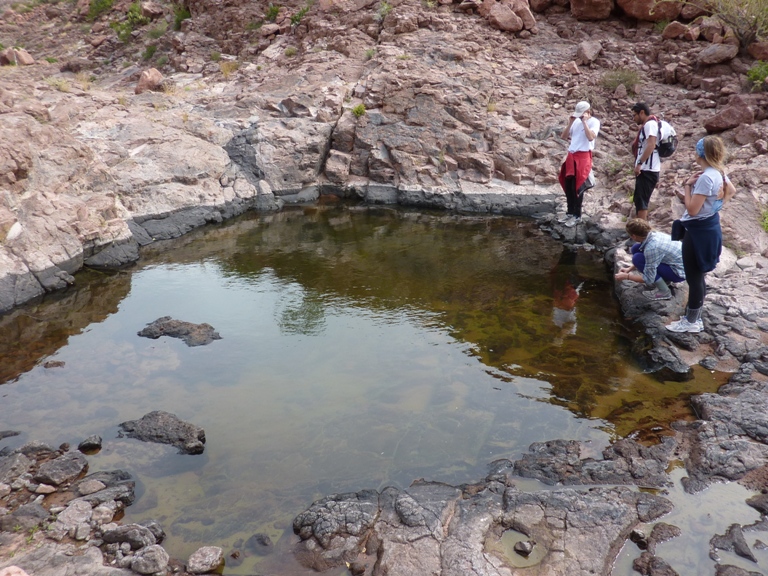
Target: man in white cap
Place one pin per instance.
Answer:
(575, 172)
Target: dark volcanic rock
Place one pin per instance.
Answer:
(90, 444)
(191, 334)
(716, 456)
(733, 541)
(625, 462)
(134, 534)
(166, 428)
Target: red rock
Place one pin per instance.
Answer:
(717, 54)
(592, 9)
(649, 10)
(503, 18)
(150, 79)
(729, 117)
(758, 51)
(674, 30)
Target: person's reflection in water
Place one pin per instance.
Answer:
(565, 293)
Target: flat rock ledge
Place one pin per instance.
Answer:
(433, 528)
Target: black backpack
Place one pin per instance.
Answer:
(666, 142)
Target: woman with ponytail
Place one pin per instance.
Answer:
(703, 238)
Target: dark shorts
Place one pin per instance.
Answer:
(644, 185)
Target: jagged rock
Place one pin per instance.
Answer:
(166, 428)
(191, 334)
(733, 541)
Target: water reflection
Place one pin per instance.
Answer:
(361, 348)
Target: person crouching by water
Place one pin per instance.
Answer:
(657, 259)
(702, 236)
(575, 173)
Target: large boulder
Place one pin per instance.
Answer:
(592, 9)
(650, 10)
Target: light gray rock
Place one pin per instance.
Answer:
(205, 559)
(63, 469)
(150, 560)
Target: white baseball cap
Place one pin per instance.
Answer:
(581, 107)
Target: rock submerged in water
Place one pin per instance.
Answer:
(165, 428)
(191, 334)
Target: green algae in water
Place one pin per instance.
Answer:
(361, 348)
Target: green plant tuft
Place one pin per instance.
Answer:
(370, 53)
(612, 79)
(158, 30)
(97, 7)
(758, 73)
(215, 56)
(162, 61)
(291, 51)
(272, 11)
(180, 13)
(659, 26)
(296, 18)
(134, 15)
(764, 220)
(48, 59)
(384, 9)
(358, 110)
(149, 52)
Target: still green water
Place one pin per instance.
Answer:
(361, 347)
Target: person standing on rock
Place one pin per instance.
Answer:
(702, 236)
(647, 161)
(576, 172)
(657, 258)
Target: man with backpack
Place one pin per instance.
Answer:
(647, 161)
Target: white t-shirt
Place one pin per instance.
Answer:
(707, 185)
(579, 141)
(653, 164)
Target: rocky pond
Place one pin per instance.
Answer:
(360, 348)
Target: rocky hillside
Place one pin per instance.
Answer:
(124, 123)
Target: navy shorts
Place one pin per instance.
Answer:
(644, 185)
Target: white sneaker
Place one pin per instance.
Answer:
(683, 325)
(573, 221)
(564, 218)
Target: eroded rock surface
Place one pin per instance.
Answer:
(440, 529)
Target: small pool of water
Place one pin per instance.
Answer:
(361, 347)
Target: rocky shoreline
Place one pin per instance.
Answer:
(51, 518)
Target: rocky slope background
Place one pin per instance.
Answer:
(125, 123)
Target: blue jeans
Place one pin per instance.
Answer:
(663, 271)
